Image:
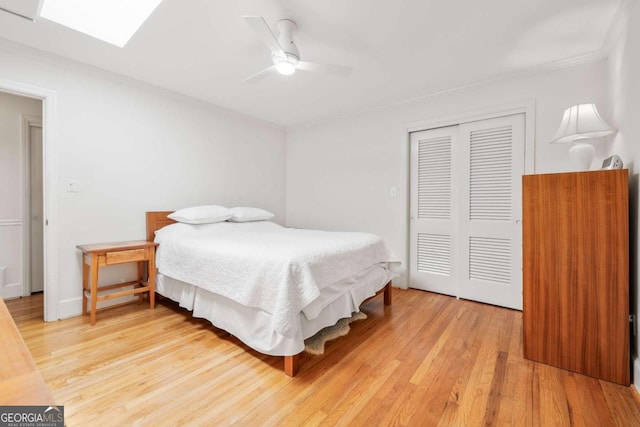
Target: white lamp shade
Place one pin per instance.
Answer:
(581, 122)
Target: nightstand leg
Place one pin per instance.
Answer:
(85, 283)
(151, 277)
(140, 279)
(94, 288)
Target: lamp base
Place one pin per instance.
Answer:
(581, 156)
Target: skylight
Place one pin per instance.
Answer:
(112, 21)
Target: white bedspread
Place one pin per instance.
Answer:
(262, 264)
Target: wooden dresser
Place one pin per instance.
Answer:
(576, 272)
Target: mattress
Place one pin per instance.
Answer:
(252, 324)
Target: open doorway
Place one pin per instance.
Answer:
(33, 205)
(48, 111)
(21, 190)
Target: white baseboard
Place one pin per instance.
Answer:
(72, 307)
(12, 290)
(401, 280)
(636, 374)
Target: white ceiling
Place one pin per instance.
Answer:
(399, 49)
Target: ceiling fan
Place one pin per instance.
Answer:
(284, 52)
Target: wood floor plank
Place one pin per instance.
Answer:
(442, 393)
(623, 411)
(437, 393)
(412, 356)
(552, 397)
(472, 396)
(349, 407)
(517, 403)
(428, 360)
(580, 395)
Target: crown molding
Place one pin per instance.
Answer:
(100, 73)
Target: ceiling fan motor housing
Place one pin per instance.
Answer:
(285, 39)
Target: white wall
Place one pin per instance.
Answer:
(624, 89)
(133, 148)
(12, 189)
(339, 173)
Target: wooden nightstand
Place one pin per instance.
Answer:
(105, 254)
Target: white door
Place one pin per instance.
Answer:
(465, 229)
(434, 219)
(36, 276)
(491, 209)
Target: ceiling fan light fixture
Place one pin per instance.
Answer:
(285, 68)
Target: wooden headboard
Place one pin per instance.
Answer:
(155, 221)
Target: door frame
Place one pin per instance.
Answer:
(26, 122)
(50, 201)
(526, 107)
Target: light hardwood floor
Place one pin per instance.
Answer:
(426, 360)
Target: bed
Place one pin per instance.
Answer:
(293, 282)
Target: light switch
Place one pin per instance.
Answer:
(72, 186)
(393, 192)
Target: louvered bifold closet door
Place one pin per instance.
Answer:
(434, 219)
(490, 239)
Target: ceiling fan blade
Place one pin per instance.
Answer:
(336, 70)
(261, 74)
(260, 26)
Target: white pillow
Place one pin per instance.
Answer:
(241, 214)
(201, 214)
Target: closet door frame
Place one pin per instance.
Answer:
(526, 107)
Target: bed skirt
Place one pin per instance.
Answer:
(253, 326)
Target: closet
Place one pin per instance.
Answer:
(465, 210)
(576, 272)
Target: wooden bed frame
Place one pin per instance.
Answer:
(158, 219)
